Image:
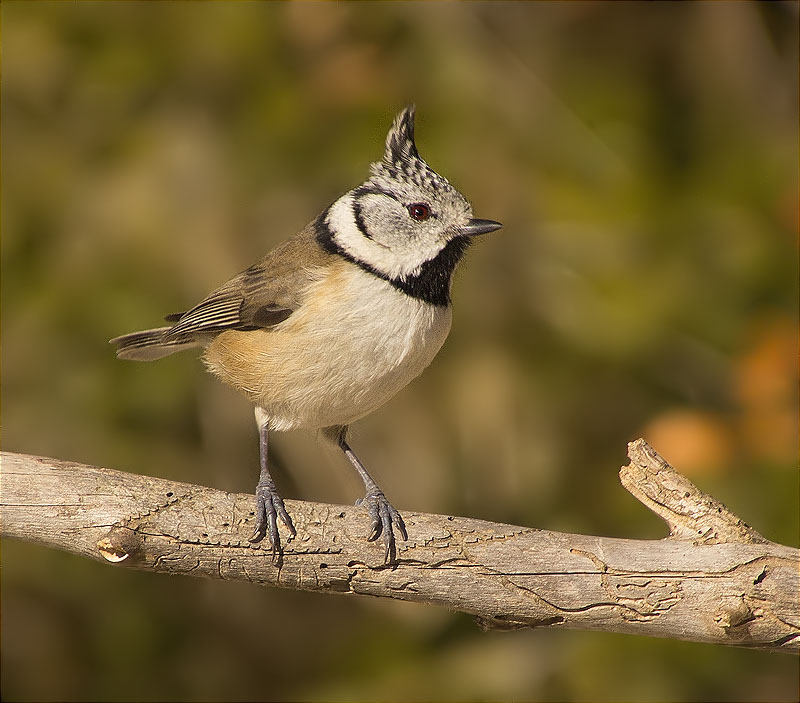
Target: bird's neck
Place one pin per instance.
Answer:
(428, 282)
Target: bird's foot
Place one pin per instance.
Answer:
(269, 507)
(384, 519)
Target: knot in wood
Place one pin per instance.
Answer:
(119, 544)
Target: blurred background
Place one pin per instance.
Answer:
(643, 158)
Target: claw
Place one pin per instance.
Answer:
(397, 520)
(269, 506)
(383, 517)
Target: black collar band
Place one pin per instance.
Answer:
(430, 285)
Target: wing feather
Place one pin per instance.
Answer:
(261, 297)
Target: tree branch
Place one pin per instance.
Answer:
(714, 579)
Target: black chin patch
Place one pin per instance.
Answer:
(431, 284)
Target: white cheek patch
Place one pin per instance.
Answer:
(341, 221)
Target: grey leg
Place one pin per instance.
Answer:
(383, 515)
(269, 505)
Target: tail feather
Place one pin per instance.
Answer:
(148, 345)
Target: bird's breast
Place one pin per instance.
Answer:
(353, 344)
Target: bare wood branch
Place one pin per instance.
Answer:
(689, 513)
(714, 579)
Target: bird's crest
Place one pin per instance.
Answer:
(401, 160)
(400, 146)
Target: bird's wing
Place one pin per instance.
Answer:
(260, 297)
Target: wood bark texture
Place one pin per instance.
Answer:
(713, 579)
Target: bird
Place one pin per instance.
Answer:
(336, 320)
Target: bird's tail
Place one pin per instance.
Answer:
(149, 345)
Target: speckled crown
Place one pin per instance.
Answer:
(401, 160)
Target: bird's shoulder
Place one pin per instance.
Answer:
(283, 275)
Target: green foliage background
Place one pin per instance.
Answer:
(643, 158)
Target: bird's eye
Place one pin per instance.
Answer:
(419, 211)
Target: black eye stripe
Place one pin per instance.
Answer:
(373, 190)
(377, 190)
(358, 215)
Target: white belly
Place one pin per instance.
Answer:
(337, 358)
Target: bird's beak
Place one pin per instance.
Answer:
(475, 227)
